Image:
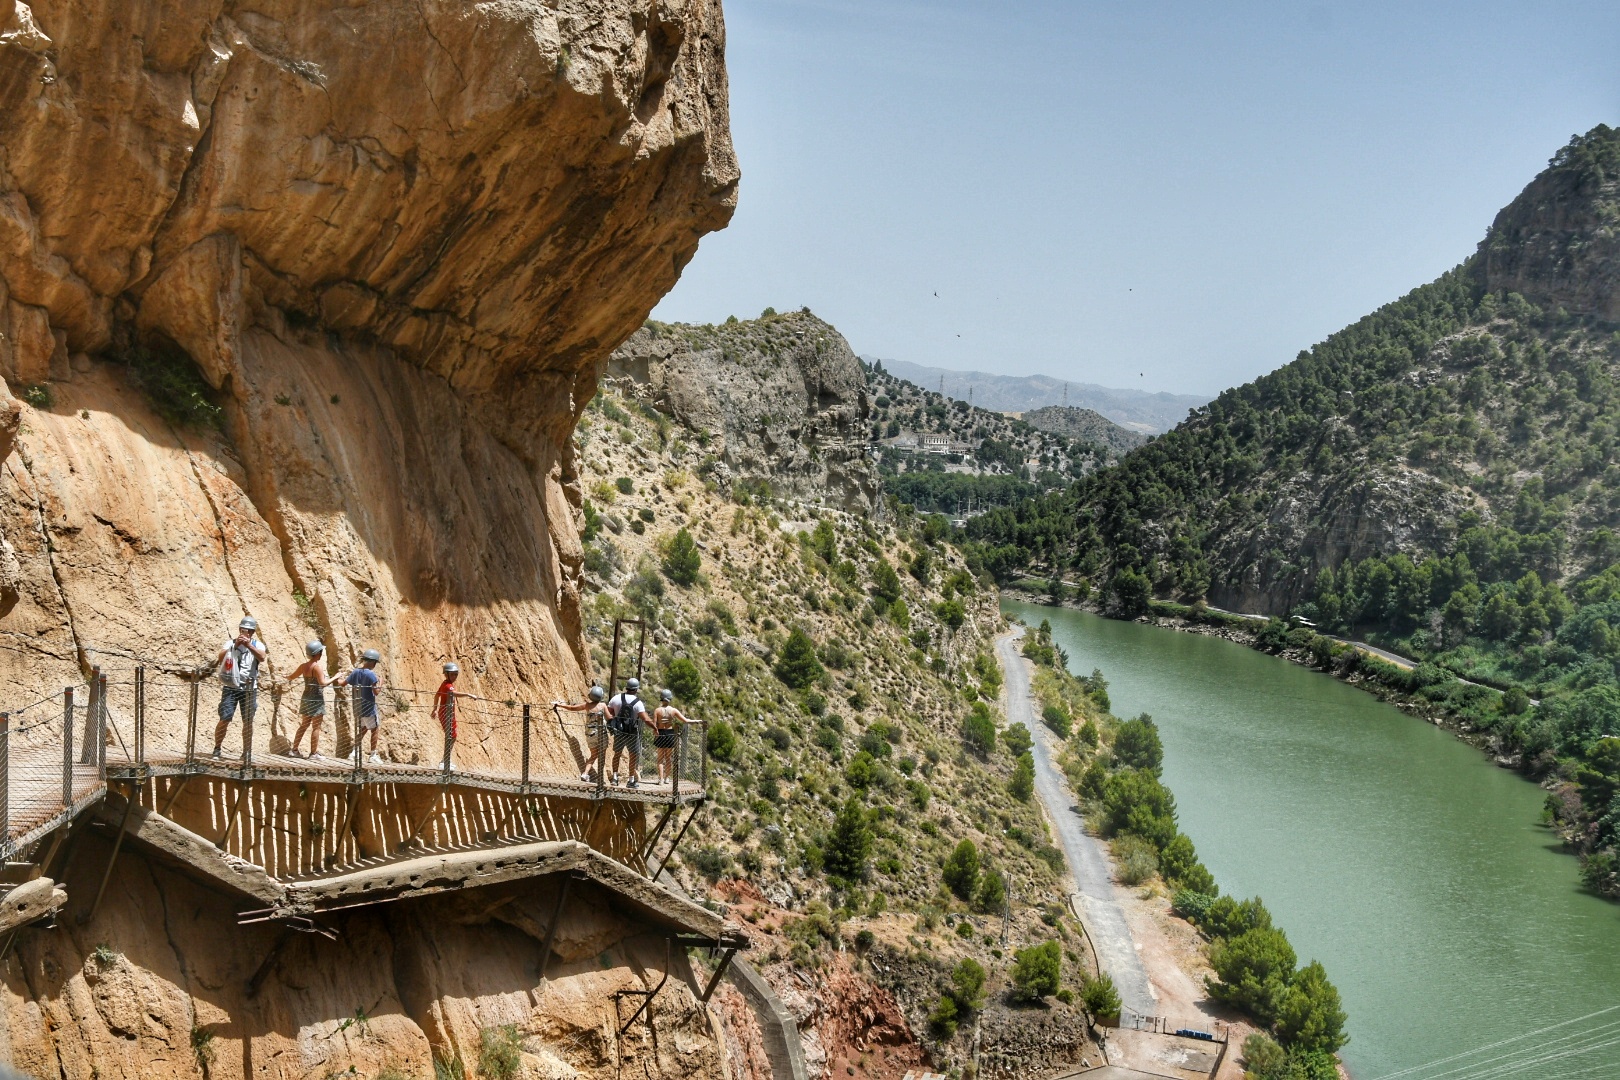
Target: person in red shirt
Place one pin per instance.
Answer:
(444, 709)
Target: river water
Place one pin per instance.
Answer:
(1388, 849)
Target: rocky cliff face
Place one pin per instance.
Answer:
(390, 243)
(396, 240)
(1557, 243)
(780, 400)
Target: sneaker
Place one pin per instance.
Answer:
(585, 776)
(215, 754)
(634, 782)
(375, 758)
(613, 779)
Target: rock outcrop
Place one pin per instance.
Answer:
(779, 400)
(1557, 243)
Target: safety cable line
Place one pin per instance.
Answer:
(1412, 1070)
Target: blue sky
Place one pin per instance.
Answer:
(1168, 196)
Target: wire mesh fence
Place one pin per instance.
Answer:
(166, 719)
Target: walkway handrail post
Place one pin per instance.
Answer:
(191, 719)
(5, 780)
(704, 774)
(601, 758)
(67, 747)
(140, 715)
(524, 786)
(359, 729)
(247, 726)
(100, 755)
(675, 775)
(87, 752)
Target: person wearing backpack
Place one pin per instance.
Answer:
(626, 714)
(238, 663)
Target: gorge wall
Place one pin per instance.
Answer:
(780, 400)
(396, 240)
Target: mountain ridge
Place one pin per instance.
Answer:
(1148, 413)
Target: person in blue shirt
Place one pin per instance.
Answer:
(362, 682)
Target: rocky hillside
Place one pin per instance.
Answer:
(988, 459)
(778, 404)
(302, 303)
(845, 665)
(1084, 425)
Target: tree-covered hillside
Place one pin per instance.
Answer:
(1443, 475)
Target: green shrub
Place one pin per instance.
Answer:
(1135, 859)
(798, 666)
(174, 386)
(979, 730)
(683, 679)
(1192, 906)
(1253, 971)
(1263, 1059)
(447, 1065)
(885, 582)
(1311, 1017)
(1137, 745)
(967, 984)
(721, 741)
(682, 561)
(1100, 997)
(861, 772)
(991, 894)
(1181, 868)
(39, 395)
(961, 872)
(943, 1019)
(1135, 802)
(1017, 740)
(849, 845)
(1022, 784)
(1227, 918)
(625, 485)
(500, 1052)
(1038, 971)
(1058, 719)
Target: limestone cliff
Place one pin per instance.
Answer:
(779, 400)
(391, 244)
(396, 239)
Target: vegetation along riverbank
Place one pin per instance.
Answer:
(1114, 767)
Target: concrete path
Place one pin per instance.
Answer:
(1105, 922)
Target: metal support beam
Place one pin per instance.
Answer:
(648, 995)
(551, 931)
(343, 826)
(262, 972)
(118, 843)
(230, 824)
(174, 793)
(658, 830)
(719, 973)
(676, 843)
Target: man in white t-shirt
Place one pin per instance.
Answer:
(238, 664)
(626, 714)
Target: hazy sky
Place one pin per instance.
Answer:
(1172, 196)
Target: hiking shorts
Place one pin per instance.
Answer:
(367, 721)
(665, 739)
(232, 696)
(313, 704)
(627, 740)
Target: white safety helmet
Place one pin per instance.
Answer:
(314, 649)
(597, 693)
(451, 668)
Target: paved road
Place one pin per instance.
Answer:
(1105, 922)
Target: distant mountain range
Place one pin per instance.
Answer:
(1136, 410)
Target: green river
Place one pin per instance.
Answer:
(1391, 851)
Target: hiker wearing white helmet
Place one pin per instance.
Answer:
(596, 711)
(312, 705)
(667, 722)
(444, 709)
(362, 683)
(238, 663)
(626, 714)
